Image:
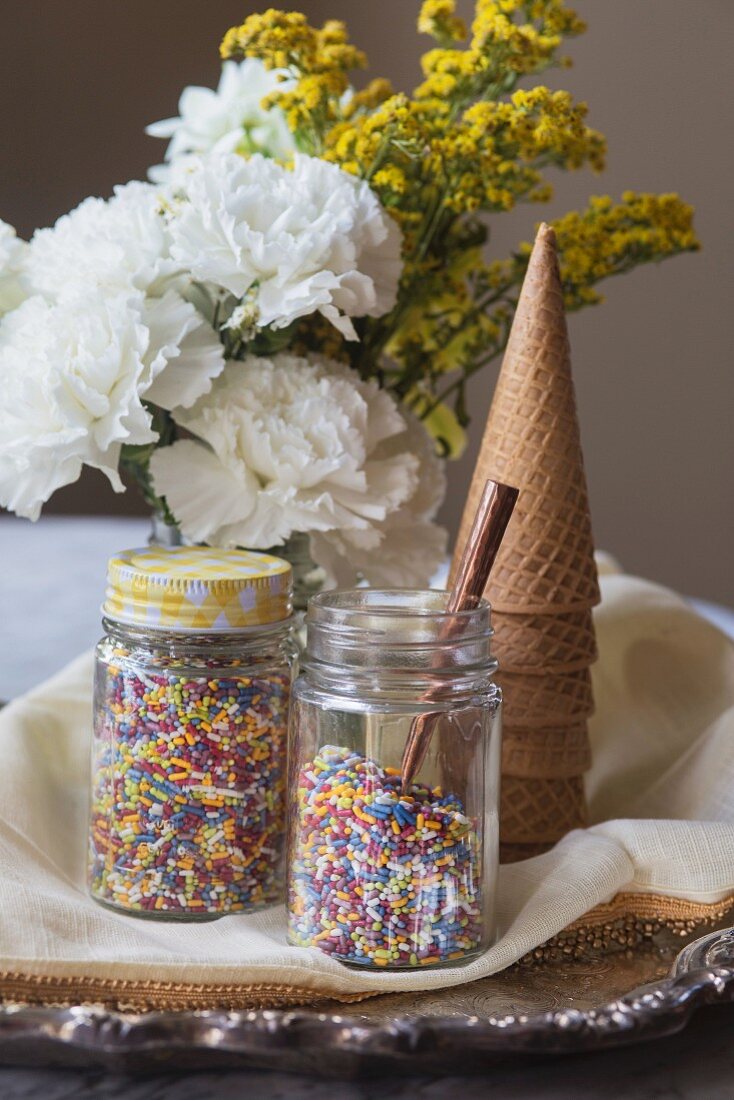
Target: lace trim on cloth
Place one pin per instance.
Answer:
(627, 921)
(147, 996)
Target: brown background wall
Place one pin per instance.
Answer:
(81, 78)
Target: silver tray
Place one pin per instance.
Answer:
(528, 1010)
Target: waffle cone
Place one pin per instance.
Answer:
(546, 562)
(539, 811)
(545, 700)
(546, 753)
(539, 644)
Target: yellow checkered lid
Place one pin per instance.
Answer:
(197, 589)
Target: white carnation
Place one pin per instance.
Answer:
(71, 376)
(283, 445)
(184, 352)
(74, 375)
(119, 244)
(411, 547)
(311, 239)
(13, 253)
(230, 119)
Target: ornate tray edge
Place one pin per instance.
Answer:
(329, 1043)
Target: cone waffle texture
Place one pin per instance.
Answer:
(544, 643)
(540, 810)
(546, 753)
(543, 583)
(546, 562)
(551, 700)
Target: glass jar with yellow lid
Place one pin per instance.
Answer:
(192, 689)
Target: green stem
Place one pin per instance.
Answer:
(135, 460)
(472, 369)
(379, 155)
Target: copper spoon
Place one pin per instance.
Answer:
(487, 531)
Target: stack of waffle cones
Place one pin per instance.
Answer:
(544, 582)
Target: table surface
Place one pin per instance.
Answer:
(52, 573)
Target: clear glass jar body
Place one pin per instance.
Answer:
(379, 876)
(188, 770)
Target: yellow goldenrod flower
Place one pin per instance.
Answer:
(320, 60)
(467, 143)
(438, 18)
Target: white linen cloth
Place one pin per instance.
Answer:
(661, 790)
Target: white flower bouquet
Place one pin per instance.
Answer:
(155, 332)
(263, 336)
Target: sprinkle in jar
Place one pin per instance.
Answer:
(401, 868)
(192, 690)
(383, 874)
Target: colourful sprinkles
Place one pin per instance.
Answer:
(377, 877)
(188, 798)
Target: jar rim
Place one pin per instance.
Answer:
(132, 627)
(397, 630)
(392, 602)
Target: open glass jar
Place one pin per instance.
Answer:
(377, 875)
(192, 688)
